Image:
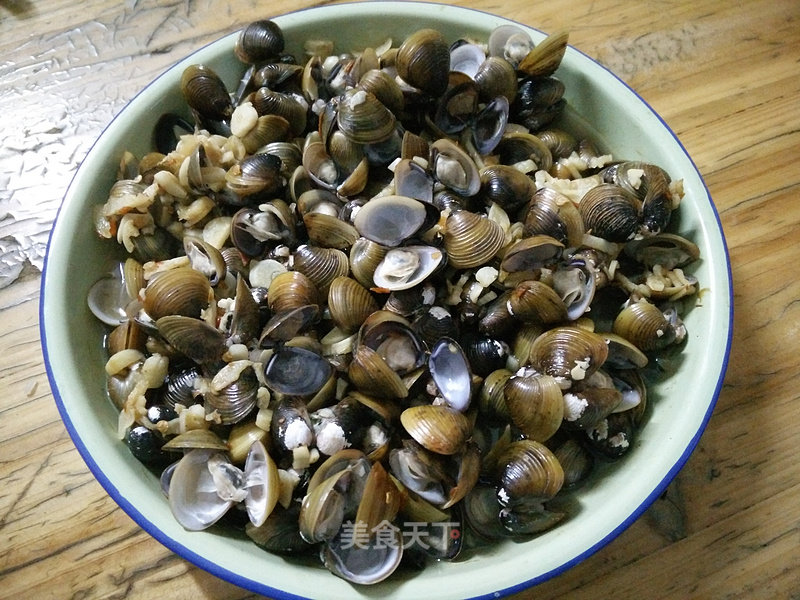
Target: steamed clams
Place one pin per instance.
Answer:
(370, 298)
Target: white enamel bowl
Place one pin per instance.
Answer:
(71, 337)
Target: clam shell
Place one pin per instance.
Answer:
(180, 291)
(193, 495)
(535, 404)
(644, 325)
(423, 61)
(363, 118)
(545, 57)
(370, 374)
(408, 266)
(321, 265)
(437, 428)
(192, 337)
(236, 400)
(365, 255)
(389, 220)
(568, 353)
(329, 232)
(609, 212)
(532, 301)
(291, 289)
(470, 239)
(527, 472)
(350, 303)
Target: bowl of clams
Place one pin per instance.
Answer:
(433, 308)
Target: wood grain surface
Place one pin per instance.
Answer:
(725, 76)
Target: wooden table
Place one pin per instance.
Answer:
(725, 77)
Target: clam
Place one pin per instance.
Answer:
(263, 484)
(259, 41)
(205, 258)
(466, 58)
(457, 106)
(329, 232)
(276, 75)
(484, 353)
(470, 239)
(666, 249)
(291, 289)
(535, 404)
(489, 124)
(279, 533)
(365, 256)
(532, 253)
(569, 354)
(560, 142)
(520, 147)
(610, 212)
(496, 77)
(453, 167)
(532, 301)
(412, 180)
(613, 436)
(265, 131)
(405, 267)
(297, 371)
(179, 387)
(507, 186)
(622, 354)
(363, 118)
(421, 471)
(510, 42)
(384, 87)
(491, 397)
(254, 231)
(246, 319)
(576, 461)
(645, 326)
(236, 400)
(323, 509)
(179, 291)
(193, 494)
(389, 220)
(196, 439)
(552, 213)
(450, 372)
(545, 58)
(350, 303)
(205, 92)
(496, 320)
(288, 106)
(367, 563)
(650, 184)
(539, 101)
(435, 323)
(530, 519)
(339, 426)
(128, 334)
(388, 349)
(192, 337)
(320, 265)
(585, 407)
(575, 283)
(110, 295)
(437, 428)
(423, 61)
(527, 472)
(255, 177)
(482, 512)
